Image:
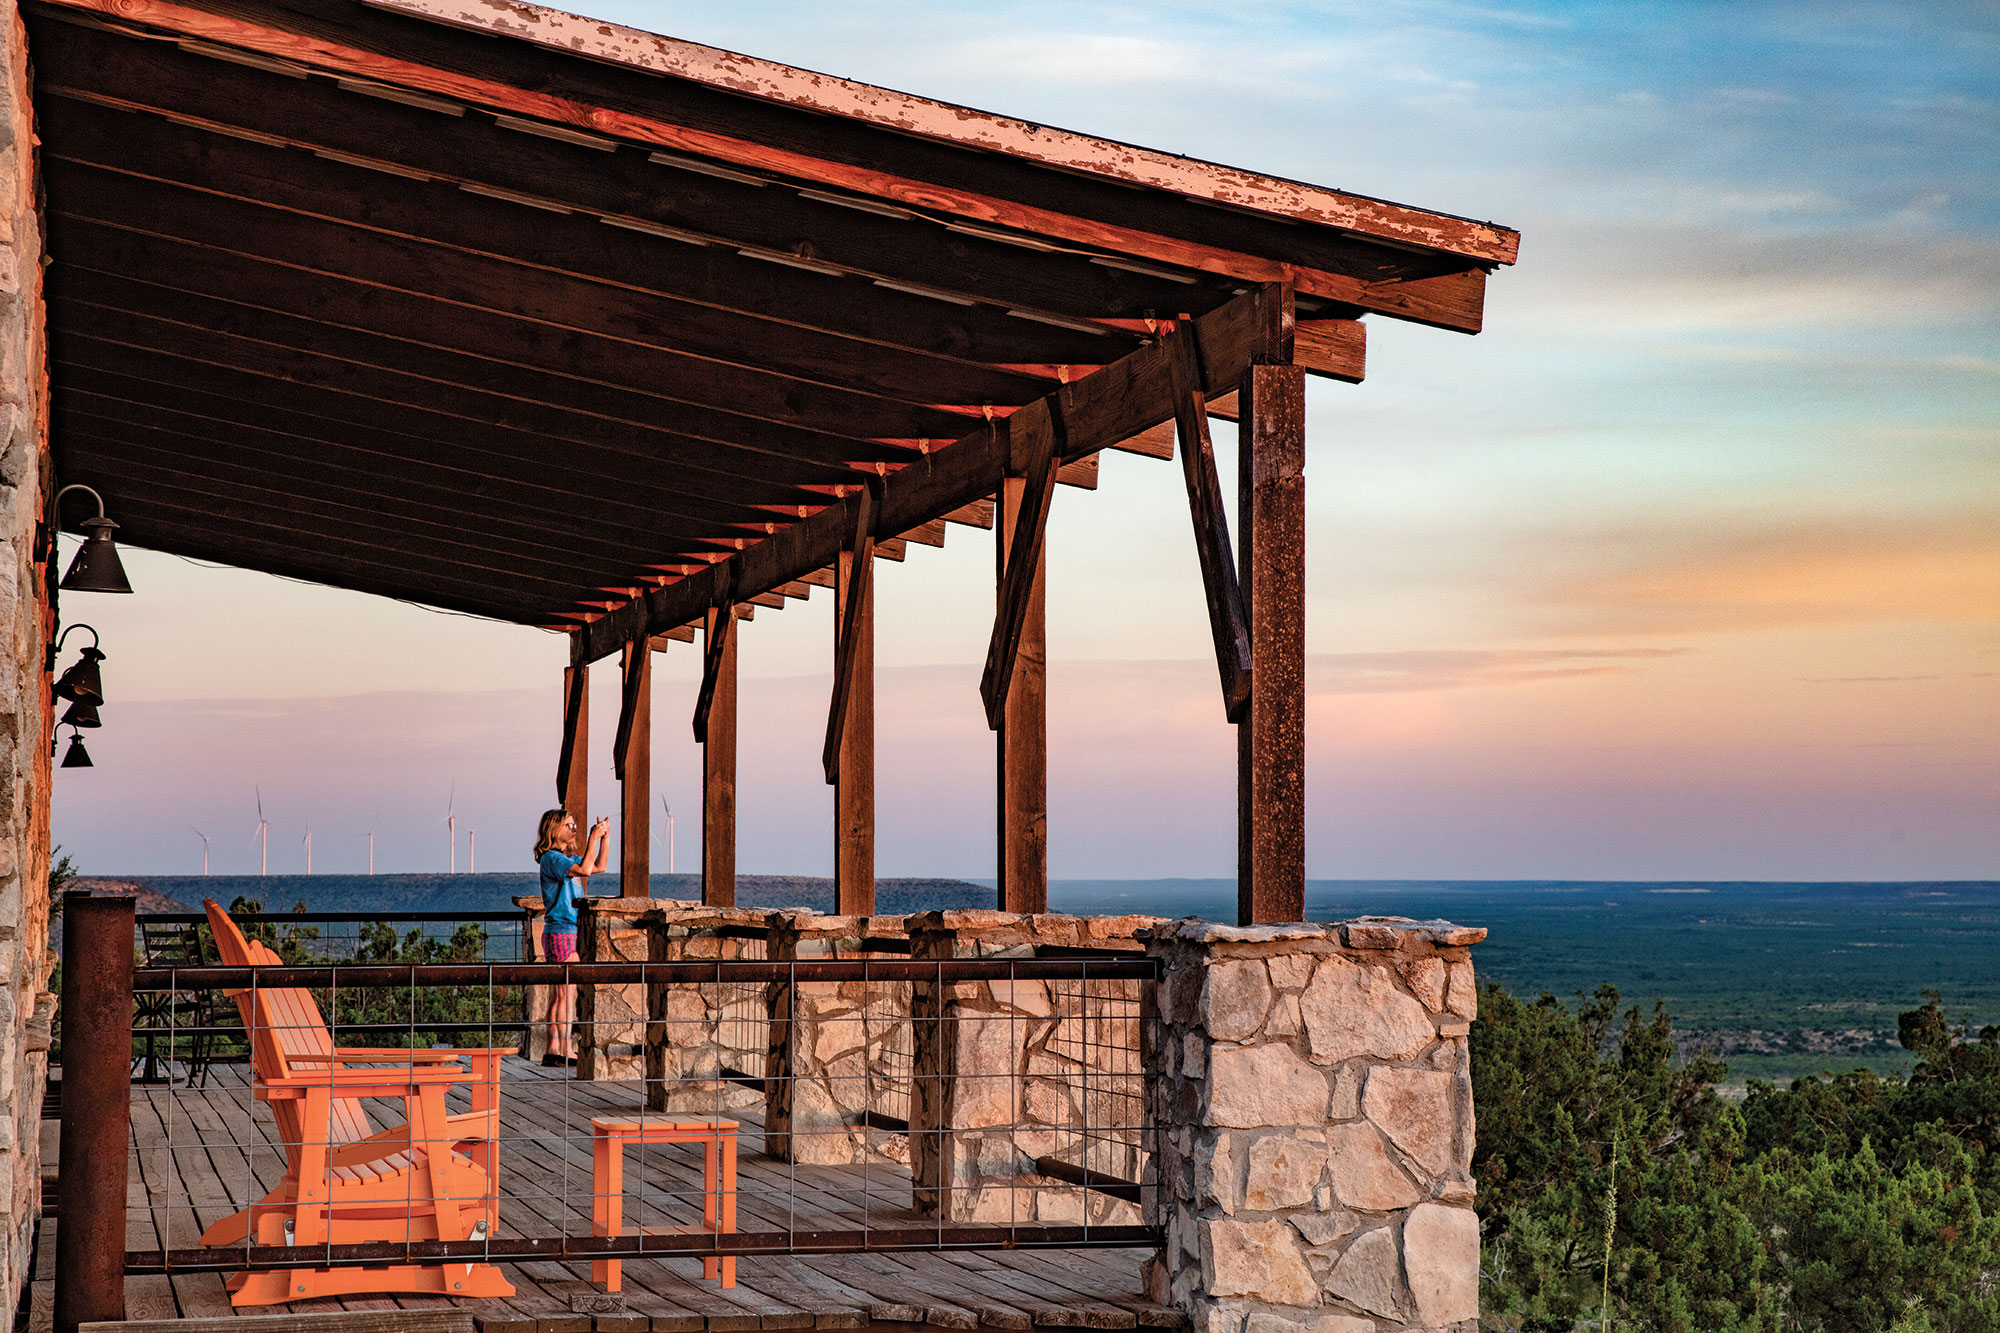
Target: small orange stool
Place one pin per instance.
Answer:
(608, 1138)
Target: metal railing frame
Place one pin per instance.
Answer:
(100, 985)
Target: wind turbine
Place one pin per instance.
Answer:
(471, 851)
(669, 811)
(451, 820)
(308, 841)
(204, 847)
(263, 835)
(371, 840)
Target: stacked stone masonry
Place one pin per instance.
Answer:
(704, 1047)
(1013, 1071)
(840, 1052)
(1315, 1086)
(27, 1005)
(1296, 1099)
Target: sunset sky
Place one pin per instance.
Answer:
(1687, 567)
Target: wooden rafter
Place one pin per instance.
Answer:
(721, 627)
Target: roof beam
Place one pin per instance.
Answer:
(1114, 404)
(991, 190)
(582, 245)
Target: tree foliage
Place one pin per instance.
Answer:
(1852, 1202)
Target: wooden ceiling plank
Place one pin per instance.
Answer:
(623, 184)
(241, 455)
(195, 533)
(702, 466)
(839, 304)
(508, 457)
(993, 189)
(325, 507)
(482, 282)
(505, 380)
(1032, 145)
(202, 435)
(357, 305)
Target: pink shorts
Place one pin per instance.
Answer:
(562, 946)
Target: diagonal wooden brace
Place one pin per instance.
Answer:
(863, 550)
(576, 681)
(628, 707)
(721, 624)
(1035, 440)
(1226, 619)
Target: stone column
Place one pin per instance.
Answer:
(1011, 1072)
(1316, 1092)
(26, 1005)
(536, 1002)
(613, 1017)
(707, 1042)
(841, 1052)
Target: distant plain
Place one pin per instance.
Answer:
(1783, 978)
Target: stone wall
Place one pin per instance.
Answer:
(1011, 1071)
(698, 1032)
(841, 1052)
(611, 1019)
(1317, 1089)
(26, 1005)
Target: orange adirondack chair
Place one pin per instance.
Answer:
(432, 1178)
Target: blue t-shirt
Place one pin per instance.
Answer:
(559, 893)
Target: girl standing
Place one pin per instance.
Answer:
(564, 877)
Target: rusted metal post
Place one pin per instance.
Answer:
(1271, 737)
(1022, 739)
(718, 778)
(854, 784)
(635, 780)
(96, 1110)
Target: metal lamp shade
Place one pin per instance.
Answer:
(82, 683)
(76, 756)
(82, 715)
(97, 567)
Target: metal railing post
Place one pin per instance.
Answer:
(96, 1110)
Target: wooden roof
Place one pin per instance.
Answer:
(493, 308)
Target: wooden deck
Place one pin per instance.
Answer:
(198, 1155)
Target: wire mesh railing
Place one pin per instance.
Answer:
(369, 1128)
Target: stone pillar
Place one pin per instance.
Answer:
(26, 1006)
(1315, 1089)
(841, 1052)
(1009, 1072)
(536, 1001)
(707, 1042)
(613, 1016)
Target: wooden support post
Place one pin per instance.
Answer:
(573, 768)
(96, 1110)
(854, 764)
(1227, 620)
(716, 727)
(635, 773)
(1271, 735)
(1021, 742)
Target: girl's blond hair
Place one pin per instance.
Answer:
(545, 836)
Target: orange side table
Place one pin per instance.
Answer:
(608, 1138)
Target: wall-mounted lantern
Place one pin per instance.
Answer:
(96, 567)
